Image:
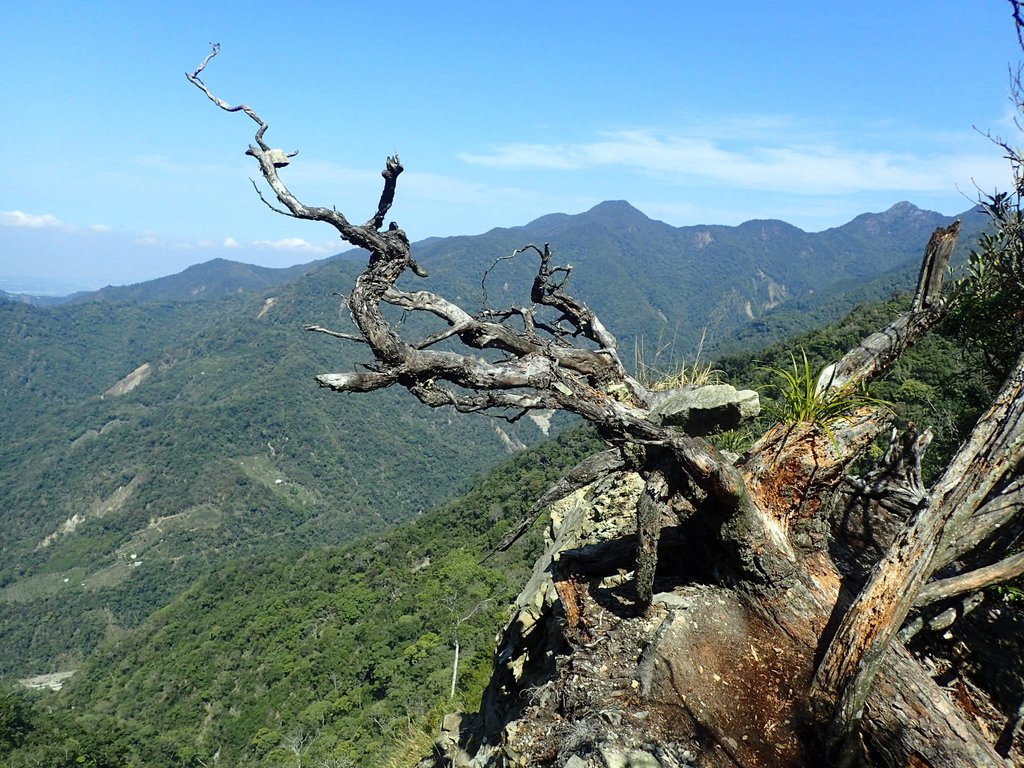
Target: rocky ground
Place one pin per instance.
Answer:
(582, 680)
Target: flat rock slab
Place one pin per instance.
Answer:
(705, 410)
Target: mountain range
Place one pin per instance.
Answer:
(154, 432)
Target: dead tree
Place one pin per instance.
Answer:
(764, 520)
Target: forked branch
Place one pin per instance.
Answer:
(570, 363)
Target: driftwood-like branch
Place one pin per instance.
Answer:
(271, 159)
(846, 672)
(652, 503)
(992, 516)
(997, 573)
(196, 81)
(939, 620)
(879, 351)
(913, 724)
(335, 334)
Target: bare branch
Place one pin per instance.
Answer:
(879, 351)
(357, 382)
(483, 278)
(267, 203)
(392, 168)
(336, 334)
(997, 573)
(194, 79)
(990, 517)
(1018, 21)
(271, 159)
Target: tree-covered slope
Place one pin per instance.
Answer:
(147, 439)
(144, 443)
(336, 648)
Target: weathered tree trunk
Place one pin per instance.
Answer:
(743, 637)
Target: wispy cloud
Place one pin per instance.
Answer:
(230, 242)
(755, 161)
(449, 189)
(47, 221)
(295, 244)
(34, 221)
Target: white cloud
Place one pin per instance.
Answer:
(102, 228)
(769, 161)
(295, 244)
(34, 221)
(230, 242)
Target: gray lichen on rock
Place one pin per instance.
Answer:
(707, 409)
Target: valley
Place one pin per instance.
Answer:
(162, 439)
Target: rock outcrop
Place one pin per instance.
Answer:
(582, 679)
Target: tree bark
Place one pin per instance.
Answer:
(846, 673)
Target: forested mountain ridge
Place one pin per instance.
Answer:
(644, 277)
(115, 497)
(345, 653)
(146, 441)
(207, 280)
(713, 276)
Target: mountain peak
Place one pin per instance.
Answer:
(902, 208)
(617, 209)
(610, 213)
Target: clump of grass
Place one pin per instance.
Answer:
(806, 395)
(733, 440)
(656, 378)
(415, 740)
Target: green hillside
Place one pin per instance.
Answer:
(341, 646)
(344, 652)
(210, 279)
(113, 500)
(158, 430)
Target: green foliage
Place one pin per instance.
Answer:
(345, 652)
(805, 396)
(988, 312)
(1012, 592)
(15, 721)
(170, 479)
(936, 384)
(733, 440)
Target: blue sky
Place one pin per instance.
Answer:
(117, 170)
